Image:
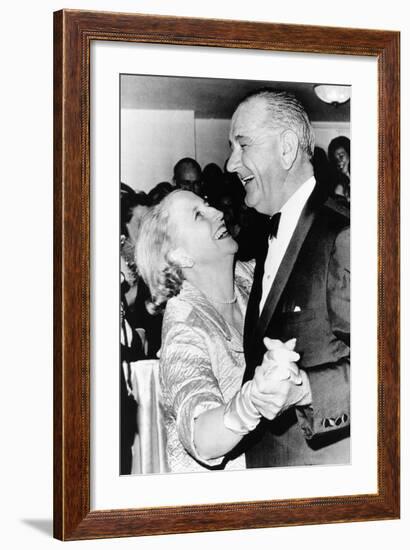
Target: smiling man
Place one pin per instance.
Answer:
(301, 286)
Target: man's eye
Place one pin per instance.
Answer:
(198, 214)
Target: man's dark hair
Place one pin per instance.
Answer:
(129, 200)
(160, 191)
(186, 162)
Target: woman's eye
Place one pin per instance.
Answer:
(198, 214)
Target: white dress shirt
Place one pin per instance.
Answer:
(290, 214)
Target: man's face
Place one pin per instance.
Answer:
(255, 156)
(189, 179)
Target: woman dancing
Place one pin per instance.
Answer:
(186, 257)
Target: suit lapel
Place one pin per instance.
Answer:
(252, 311)
(285, 269)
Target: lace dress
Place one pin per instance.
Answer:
(201, 367)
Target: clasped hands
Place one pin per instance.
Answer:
(278, 384)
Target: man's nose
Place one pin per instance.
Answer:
(233, 161)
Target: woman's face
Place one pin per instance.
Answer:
(200, 231)
(342, 160)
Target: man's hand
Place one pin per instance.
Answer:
(278, 384)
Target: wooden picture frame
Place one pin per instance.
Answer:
(74, 32)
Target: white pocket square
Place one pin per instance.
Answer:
(297, 308)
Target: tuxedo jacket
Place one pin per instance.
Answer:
(309, 300)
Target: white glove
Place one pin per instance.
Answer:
(240, 414)
(278, 383)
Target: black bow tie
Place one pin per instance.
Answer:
(274, 225)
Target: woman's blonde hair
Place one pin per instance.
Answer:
(153, 248)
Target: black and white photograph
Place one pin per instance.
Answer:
(179, 316)
(234, 274)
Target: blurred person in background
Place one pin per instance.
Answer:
(339, 158)
(188, 176)
(133, 338)
(161, 190)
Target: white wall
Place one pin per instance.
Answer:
(26, 275)
(212, 141)
(151, 143)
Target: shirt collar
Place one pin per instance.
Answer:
(297, 201)
(292, 209)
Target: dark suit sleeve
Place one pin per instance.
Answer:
(338, 287)
(330, 383)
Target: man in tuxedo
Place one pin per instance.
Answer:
(301, 284)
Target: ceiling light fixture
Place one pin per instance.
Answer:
(334, 94)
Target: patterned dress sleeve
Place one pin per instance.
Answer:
(188, 382)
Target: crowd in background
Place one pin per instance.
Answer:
(140, 331)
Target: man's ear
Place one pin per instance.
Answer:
(181, 258)
(289, 148)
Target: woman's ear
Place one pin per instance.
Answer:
(289, 148)
(181, 258)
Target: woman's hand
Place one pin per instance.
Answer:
(278, 384)
(279, 362)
